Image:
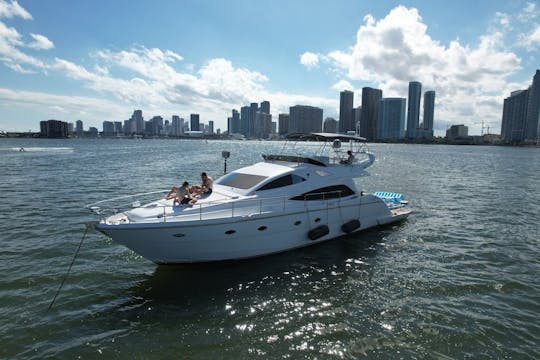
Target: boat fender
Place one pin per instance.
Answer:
(350, 226)
(318, 232)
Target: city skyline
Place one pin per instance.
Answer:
(58, 62)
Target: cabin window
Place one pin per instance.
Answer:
(240, 180)
(325, 193)
(282, 181)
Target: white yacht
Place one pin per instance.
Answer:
(288, 200)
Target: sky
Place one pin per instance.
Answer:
(100, 60)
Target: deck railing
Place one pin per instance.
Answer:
(229, 207)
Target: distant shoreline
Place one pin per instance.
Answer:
(471, 140)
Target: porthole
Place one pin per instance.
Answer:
(262, 228)
(317, 219)
(179, 235)
(297, 222)
(230, 232)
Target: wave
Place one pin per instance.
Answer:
(38, 149)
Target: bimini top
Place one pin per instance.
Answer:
(324, 137)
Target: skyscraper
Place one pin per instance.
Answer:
(515, 116)
(346, 103)
(234, 126)
(265, 107)
(413, 108)
(305, 119)
(370, 112)
(533, 110)
(245, 119)
(283, 124)
(391, 124)
(429, 110)
(79, 128)
(521, 114)
(330, 125)
(194, 122)
(137, 122)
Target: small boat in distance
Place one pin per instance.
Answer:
(289, 200)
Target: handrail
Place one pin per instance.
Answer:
(257, 206)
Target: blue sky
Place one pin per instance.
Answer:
(100, 60)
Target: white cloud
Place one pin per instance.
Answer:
(468, 79)
(13, 9)
(309, 60)
(342, 85)
(10, 41)
(40, 42)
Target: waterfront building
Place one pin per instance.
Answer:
(391, 122)
(330, 125)
(53, 129)
(346, 104)
(137, 122)
(235, 124)
(370, 112)
(70, 128)
(118, 128)
(305, 119)
(177, 126)
(108, 128)
(532, 124)
(413, 108)
(253, 108)
(265, 107)
(93, 132)
(283, 124)
(429, 110)
(515, 116)
(245, 120)
(79, 128)
(457, 132)
(194, 122)
(262, 125)
(211, 126)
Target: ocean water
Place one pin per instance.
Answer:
(459, 279)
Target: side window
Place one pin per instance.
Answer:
(282, 181)
(329, 192)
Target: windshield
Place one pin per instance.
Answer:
(240, 180)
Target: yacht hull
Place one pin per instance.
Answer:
(248, 236)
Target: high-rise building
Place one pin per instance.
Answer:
(235, 125)
(79, 128)
(137, 120)
(262, 125)
(245, 120)
(210, 126)
(413, 108)
(53, 129)
(356, 118)
(391, 123)
(305, 119)
(118, 128)
(457, 132)
(521, 114)
(515, 116)
(370, 112)
(265, 107)
(346, 104)
(532, 124)
(429, 109)
(253, 108)
(177, 126)
(108, 128)
(283, 124)
(330, 125)
(194, 122)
